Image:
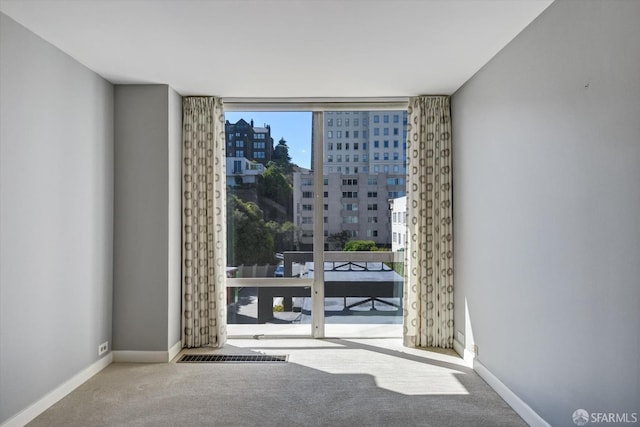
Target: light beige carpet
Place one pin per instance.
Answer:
(368, 382)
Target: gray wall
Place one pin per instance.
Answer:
(56, 193)
(175, 218)
(547, 210)
(146, 225)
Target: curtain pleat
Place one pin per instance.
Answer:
(428, 291)
(203, 223)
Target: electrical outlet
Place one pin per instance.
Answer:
(102, 348)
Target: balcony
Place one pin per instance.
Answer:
(361, 288)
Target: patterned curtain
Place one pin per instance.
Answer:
(204, 253)
(428, 291)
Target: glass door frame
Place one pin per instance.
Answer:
(317, 107)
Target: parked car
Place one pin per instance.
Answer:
(279, 271)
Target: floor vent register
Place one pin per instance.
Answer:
(233, 358)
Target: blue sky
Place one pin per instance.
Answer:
(294, 127)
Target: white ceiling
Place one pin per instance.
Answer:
(282, 48)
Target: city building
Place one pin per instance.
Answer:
(241, 170)
(243, 139)
(398, 209)
(364, 166)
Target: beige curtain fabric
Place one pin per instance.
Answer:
(204, 237)
(428, 291)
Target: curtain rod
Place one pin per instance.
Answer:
(314, 104)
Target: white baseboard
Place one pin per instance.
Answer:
(132, 356)
(467, 355)
(173, 351)
(27, 415)
(530, 416)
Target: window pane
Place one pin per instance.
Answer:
(266, 230)
(367, 287)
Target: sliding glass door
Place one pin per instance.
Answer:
(316, 222)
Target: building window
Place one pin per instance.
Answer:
(350, 207)
(376, 144)
(339, 122)
(396, 118)
(339, 134)
(376, 131)
(350, 219)
(372, 220)
(386, 131)
(330, 134)
(372, 194)
(376, 156)
(372, 207)
(329, 122)
(395, 181)
(307, 181)
(376, 119)
(349, 194)
(307, 220)
(386, 144)
(307, 194)
(349, 181)
(307, 207)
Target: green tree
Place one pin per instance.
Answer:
(281, 156)
(251, 240)
(283, 235)
(274, 185)
(361, 245)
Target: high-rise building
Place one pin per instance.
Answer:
(245, 140)
(364, 167)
